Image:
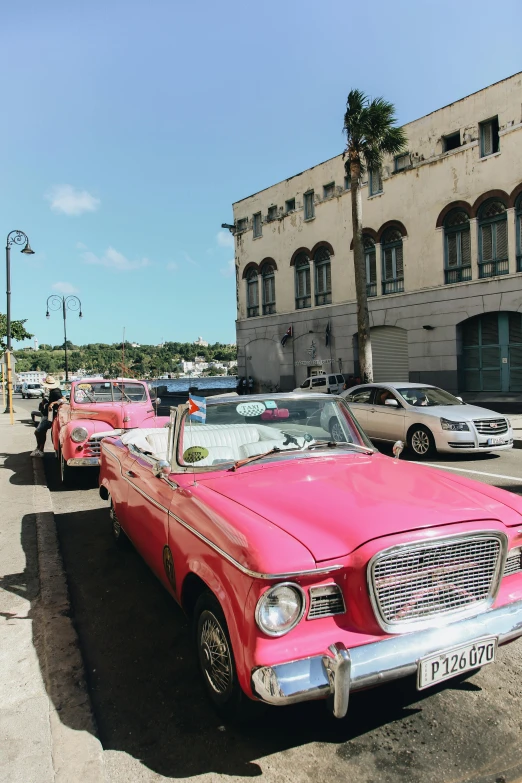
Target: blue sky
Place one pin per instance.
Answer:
(131, 127)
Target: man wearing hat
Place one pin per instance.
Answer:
(51, 402)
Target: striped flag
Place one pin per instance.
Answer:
(197, 410)
(286, 335)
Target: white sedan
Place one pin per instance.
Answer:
(429, 419)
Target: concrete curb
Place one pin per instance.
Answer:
(76, 750)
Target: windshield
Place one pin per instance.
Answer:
(33, 386)
(109, 391)
(235, 431)
(428, 397)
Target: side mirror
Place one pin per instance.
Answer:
(392, 403)
(157, 401)
(162, 468)
(398, 448)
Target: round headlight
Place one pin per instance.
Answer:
(280, 609)
(78, 434)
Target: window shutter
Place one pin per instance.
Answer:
(388, 264)
(487, 138)
(399, 267)
(487, 243)
(465, 247)
(371, 271)
(328, 278)
(452, 250)
(502, 240)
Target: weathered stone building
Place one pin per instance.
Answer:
(443, 238)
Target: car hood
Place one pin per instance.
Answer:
(117, 414)
(335, 504)
(457, 412)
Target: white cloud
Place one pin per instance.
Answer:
(114, 260)
(225, 239)
(64, 288)
(81, 246)
(230, 269)
(172, 266)
(70, 201)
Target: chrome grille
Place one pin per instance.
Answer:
(491, 426)
(513, 562)
(411, 584)
(94, 447)
(325, 601)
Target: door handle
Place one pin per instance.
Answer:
(131, 474)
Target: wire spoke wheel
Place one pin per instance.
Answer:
(336, 431)
(215, 654)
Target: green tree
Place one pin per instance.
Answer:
(18, 331)
(370, 133)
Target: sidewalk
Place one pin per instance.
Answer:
(47, 733)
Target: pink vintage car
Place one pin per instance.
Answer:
(310, 565)
(99, 406)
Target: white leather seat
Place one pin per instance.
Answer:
(158, 441)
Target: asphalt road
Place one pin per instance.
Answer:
(156, 724)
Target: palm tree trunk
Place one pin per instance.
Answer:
(363, 317)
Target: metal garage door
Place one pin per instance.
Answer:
(390, 354)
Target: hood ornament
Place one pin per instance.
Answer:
(398, 448)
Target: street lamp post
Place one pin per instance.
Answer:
(55, 302)
(13, 238)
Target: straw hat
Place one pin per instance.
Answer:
(50, 382)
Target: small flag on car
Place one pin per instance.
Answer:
(197, 410)
(328, 333)
(286, 335)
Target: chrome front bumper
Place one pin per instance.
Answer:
(83, 462)
(340, 671)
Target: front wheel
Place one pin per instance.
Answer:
(118, 533)
(216, 661)
(66, 472)
(421, 442)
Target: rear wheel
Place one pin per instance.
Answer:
(117, 532)
(216, 661)
(421, 442)
(336, 431)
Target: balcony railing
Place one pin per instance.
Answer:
(322, 299)
(302, 302)
(252, 312)
(269, 309)
(457, 275)
(371, 289)
(393, 286)
(519, 263)
(493, 268)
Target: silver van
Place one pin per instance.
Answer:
(327, 384)
(32, 390)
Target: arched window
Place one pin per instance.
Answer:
(303, 296)
(457, 247)
(392, 263)
(371, 266)
(493, 239)
(518, 218)
(268, 283)
(323, 277)
(252, 294)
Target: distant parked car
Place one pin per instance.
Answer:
(324, 383)
(429, 419)
(32, 390)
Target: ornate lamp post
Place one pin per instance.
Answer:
(13, 238)
(55, 302)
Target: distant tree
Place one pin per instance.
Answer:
(18, 331)
(370, 133)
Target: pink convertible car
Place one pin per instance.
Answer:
(311, 565)
(98, 406)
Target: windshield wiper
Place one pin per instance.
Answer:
(254, 457)
(332, 444)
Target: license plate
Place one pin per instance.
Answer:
(447, 664)
(498, 441)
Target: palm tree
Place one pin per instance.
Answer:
(370, 133)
